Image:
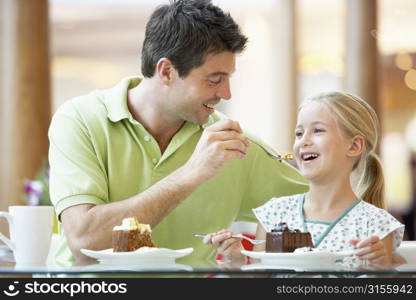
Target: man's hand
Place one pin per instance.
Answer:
(219, 143)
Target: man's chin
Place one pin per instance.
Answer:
(199, 121)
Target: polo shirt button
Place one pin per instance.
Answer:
(154, 160)
(147, 138)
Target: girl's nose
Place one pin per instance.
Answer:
(306, 140)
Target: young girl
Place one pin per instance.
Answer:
(336, 140)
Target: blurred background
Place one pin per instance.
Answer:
(54, 50)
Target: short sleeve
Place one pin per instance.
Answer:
(265, 213)
(381, 223)
(76, 174)
(276, 210)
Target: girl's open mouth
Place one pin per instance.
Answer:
(309, 156)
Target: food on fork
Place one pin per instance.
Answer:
(287, 156)
(282, 239)
(131, 235)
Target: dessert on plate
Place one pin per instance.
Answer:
(282, 239)
(131, 235)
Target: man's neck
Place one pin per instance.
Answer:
(145, 103)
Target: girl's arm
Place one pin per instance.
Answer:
(231, 247)
(225, 244)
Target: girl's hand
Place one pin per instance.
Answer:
(225, 244)
(371, 249)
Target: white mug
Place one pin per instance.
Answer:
(30, 233)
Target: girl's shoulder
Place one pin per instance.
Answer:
(280, 204)
(366, 208)
(290, 200)
(276, 210)
(373, 214)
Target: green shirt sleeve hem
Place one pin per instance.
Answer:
(63, 204)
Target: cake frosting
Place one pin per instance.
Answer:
(133, 224)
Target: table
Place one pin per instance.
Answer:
(189, 267)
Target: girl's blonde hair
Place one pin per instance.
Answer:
(357, 117)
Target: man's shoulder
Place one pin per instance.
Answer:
(84, 106)
(86, 113)
(100, 105)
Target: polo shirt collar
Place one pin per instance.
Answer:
(115, 99)
(211, 120)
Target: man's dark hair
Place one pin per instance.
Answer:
(185, 31)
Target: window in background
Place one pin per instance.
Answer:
(95, 44)
(397, 46)
(321, 45)
(259, 100)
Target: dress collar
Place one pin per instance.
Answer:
(331, 224)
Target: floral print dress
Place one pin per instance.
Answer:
(358, 221)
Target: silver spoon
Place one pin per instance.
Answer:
(279, 157)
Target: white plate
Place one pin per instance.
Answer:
(142, 256)
(294, 267)
(407, 250)
(406, 268)
(135, 268)
(298, 259)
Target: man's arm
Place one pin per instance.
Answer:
(89, 226)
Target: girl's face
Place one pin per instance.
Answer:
(320, 148)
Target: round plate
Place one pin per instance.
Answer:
(141, 256)
(313, 258)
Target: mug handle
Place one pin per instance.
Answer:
(5, 240)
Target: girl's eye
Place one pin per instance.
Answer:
(298, 133)
(319, 130)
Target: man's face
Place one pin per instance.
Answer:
(195, 97)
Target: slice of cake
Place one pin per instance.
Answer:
(131, 235)
(282, 239)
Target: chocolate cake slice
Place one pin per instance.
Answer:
(282, 239)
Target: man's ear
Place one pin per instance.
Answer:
(166, 71)
(356, 147)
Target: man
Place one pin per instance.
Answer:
(155, 148)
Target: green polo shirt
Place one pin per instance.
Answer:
(100, 154)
